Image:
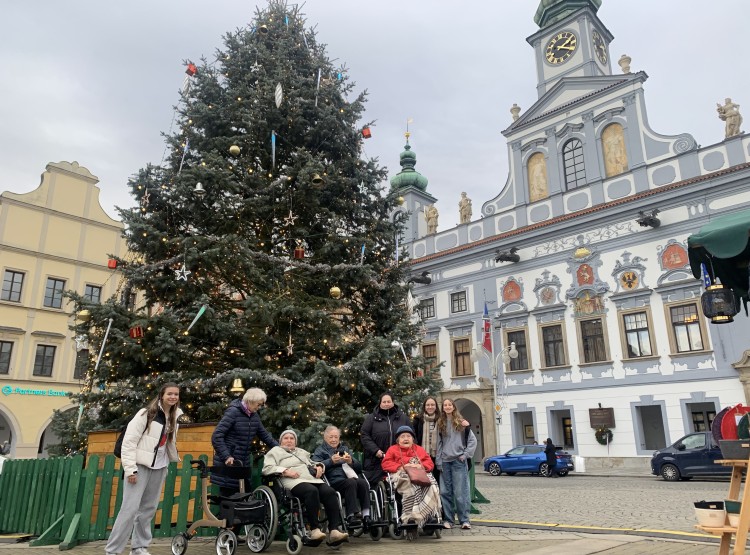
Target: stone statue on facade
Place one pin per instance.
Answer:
(537, 178)
(431, 215)
(464, 209)
(730, 113)
(615, 155)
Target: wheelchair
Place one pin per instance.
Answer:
(257, 511)
(292, 518)
(377, 525)
(389, 506)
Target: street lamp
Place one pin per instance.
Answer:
(506, 353)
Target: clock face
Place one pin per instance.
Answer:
(561, 47)
(599, 47)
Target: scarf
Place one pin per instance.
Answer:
(429, 436)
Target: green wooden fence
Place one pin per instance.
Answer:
(60, 502)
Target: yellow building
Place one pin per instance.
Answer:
(53, 239)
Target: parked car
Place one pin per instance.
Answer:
(527, 458)
(689, 456)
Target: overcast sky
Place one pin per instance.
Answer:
(95, 82)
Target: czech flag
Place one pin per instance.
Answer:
(486, 330)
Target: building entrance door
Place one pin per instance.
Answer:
(652, 427)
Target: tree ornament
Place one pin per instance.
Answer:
(263, 29)
(603, 436)
(335, 292)
(366, 133)
(299, 253)
(234, 150)
(199, 191)
(316, 180)
(84, 315)
(112, 263)
(182, 274)
(145, 199)
(279, 95)
(400, 201)
(136, 332)
(290, 219)
(191, 70)
(197, 316)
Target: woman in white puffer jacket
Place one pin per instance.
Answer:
(149, 445)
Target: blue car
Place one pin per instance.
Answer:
(527, 458)
(689, 456)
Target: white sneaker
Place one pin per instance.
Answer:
(140, 551)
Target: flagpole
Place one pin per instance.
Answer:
(495, 403)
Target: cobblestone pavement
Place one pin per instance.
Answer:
(620, 502)
(576, 515)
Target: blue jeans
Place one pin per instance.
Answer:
(454, 487)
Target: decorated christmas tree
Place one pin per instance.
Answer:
(264, 248)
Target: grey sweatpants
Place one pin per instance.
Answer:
(139, 503)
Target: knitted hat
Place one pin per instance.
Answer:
(285, 432)
(405, 430)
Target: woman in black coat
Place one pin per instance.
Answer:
(231, 439)
(378, 434)
(550, 452)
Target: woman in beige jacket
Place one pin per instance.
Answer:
(149, 445)
(295, 469)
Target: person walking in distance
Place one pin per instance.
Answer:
(149, 445)
(549, 451)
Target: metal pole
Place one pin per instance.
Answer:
(495, 404)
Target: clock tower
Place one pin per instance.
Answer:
(571, 42)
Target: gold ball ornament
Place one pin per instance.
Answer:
(84, 315)
(234, 150)
(335, 292)
(400, 201)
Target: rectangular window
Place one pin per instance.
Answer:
(462, 358)
(458, 301)
(6, 349)
(12, 284)
(53, 293)
(553, 345)
(592, 340)
(519, 338)
(427, 308)
(92, 293)
(45, 358)
(686, 328)
(637, 337)
(82, 364)
(429, 352)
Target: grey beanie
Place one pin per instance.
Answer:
(285, 432)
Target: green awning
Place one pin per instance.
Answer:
(723, 246)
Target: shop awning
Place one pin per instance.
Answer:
(723, 245)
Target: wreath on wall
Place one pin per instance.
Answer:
(603, 436)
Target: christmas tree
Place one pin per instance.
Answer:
(263, 249)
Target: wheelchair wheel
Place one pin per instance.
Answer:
(226, 542)
(357, 532)
(376, 532)
(271, 523)
(438, 534)
(179, 544)
(395, 531)
(257, 537)
(294, 544)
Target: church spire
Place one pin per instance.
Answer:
(551, 11)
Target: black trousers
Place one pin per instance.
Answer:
(311, 496)
(353, 490)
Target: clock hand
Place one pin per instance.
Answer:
(566, 47)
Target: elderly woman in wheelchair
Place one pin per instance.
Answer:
(342, 472)
(301, 476)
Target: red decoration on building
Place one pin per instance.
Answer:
(674, 257)
(111, 263)
(136, 332)
(191, 70)
(585, 274)
(299, 253)
(511, 292)
(366, 133)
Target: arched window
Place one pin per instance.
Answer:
(575, 172)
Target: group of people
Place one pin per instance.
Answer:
(438, 442)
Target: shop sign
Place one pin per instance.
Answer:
(38, 392)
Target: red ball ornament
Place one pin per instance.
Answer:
(136, 332)
(191, 70)
(366, 133)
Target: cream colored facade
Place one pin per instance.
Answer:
(55, 237)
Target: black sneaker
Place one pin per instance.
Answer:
(366, 522)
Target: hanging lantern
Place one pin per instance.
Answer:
(366, 133)
(237, 386)
(136, 332)
(111, 263)
(719, 304)
(299, 253)
(191, 70)
(335, 292)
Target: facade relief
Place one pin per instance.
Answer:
(628, 273)
(547, 290)
(613, 147)
(537, 171)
